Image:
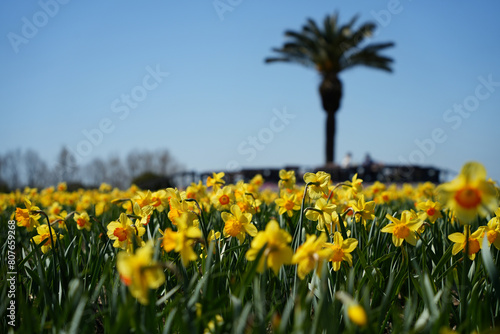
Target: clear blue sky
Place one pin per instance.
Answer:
(73, 72)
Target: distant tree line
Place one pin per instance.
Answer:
(20, 168)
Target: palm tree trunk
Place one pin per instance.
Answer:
(330, 137)
(331, 94)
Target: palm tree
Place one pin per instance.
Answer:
(330, 50)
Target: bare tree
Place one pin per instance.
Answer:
(11, 171)
(36, 169)
(95, 172)
(117, 176)
(66, 169)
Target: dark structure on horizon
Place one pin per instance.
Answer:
(382, 173)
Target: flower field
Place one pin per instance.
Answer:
(310, 256)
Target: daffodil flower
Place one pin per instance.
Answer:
(475, 242)
(341, 250)
(322, 213)
(223, 198)
(287, 179)
(139, 272)
(124, 232)
(82, 221)
(403, 229)
(287, 204)
(364, 210)
(238, 224)
(277, 252)
(216, 181)
(429, 210)
(182, 240)
(311, 255)
(492, 230)
(318, 184)
(45, 234)
(470, 194)
(26, 218)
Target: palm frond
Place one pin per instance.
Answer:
(332, 47)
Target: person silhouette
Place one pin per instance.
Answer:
(346, 162)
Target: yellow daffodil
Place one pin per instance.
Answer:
(287, 179)
(180, 207)
(311, 254)
(196, 191)
(104, 187)
(470, 194)
(353, 187)
(158, 200)
(248, 204)
(182, 241)
(355, 312)
(26, 217)
(364, 210)
(143, 213)
(82, 221)
(475, 241)
(62, 186)
(211, 238)
(376, 189)
(403, 229)
(322, 213)
(124, 232)
(44, 234)
(238, 224)
(223, 198)
(140, 272)
(341, 250)
(318, 184)
(216, 181)
(277, 252)
(55, 208)
(426, 191)
(287, 203)
(429, 210)
(492, 230)
(256, 182)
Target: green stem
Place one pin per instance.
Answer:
(202, 221)
(298, 236)
(463, 285)
(298, 230)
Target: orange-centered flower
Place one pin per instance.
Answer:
(429, 211)
(44, 234)
(475, 241)
(238, 224)
(492, 230)
(83, 221)
(341, 250)
(26, 218)
(470, 194)
(124, 232)
(224, 199)
(338, 253)
(468, 197)
(403, 229)
(288, 203)
(120, 233)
